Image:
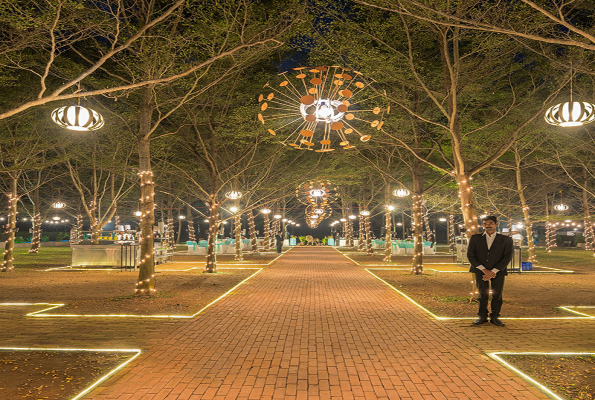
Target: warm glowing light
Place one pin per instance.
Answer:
(364, 213)
(277, 216)
(343, 220)
(561, 207)
(77, 118)
(317, 192)
(56, 218)
(181, 216)
(573, 113)
(401, 192)
(233, 195)
(233, 209)
(442, 219)
(390, 208)
(352, 217)
(58, 204)
(265, 211)
(138, 213)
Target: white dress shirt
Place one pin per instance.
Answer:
(489, 241)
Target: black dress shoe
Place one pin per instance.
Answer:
(479, 321)
(497, 322)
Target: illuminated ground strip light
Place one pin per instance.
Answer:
(568, 308)
(53, 306)
(97, 382)
(544, 389)
(555, 270)
(71, 268)
(586, 317)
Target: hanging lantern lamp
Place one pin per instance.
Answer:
(561, 207)
(233, 195)
(572, 113)
(77, 118)
(58, 205)
(401, 192)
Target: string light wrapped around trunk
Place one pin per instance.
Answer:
(36, 237)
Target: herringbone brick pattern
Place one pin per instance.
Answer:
(313, 325)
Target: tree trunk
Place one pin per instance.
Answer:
(191, 235)
(252, 228)
(211, 265)
(8, 259)
(36, 228)
(528, 224)
(451, 233)
(146, 263)
(550, 229)
(587, 222)
(267, 233)
(170, 232)
(369, 249)
(389, 245)
(361, 243)
(238, 233)
(468, 207)
(417, 228)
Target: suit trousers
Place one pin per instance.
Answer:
(279, 247)
(497, 285)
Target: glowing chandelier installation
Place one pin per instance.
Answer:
(317, 195)
(401, 192)
(320, 106)
(561, 207)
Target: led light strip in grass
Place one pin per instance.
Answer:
(543, 388)
(53, 306)
(586, 317)
(568, 308)
(97, 382)
(554, 270)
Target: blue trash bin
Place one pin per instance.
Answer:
(527, 266)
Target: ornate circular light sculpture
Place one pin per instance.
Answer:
(233, 195)
(561, 207)
(320, 106)
(58, 205)
(318, 211)
(77, 118)
(401, 192)
(572, 113)
(265, 211)
(365, 213)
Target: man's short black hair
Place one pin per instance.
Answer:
(490, 218)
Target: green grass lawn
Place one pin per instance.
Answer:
(565, 258)
(48, 257)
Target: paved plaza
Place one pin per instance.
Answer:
(313, 325)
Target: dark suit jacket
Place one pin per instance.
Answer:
(498, 256)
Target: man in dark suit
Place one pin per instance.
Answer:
(279, 241)
(489, 254)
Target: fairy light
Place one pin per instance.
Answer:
(589, 234)
(416, 225)
(8, 259)
(388, 226)
(349, 238)
(36, 239)
(361, 243)
(267, 229)
(213, 220)
(252, 229)
(146, 262)
(369, 250)
(170, 234)
(238, 233)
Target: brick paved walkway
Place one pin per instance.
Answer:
(314, 325)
